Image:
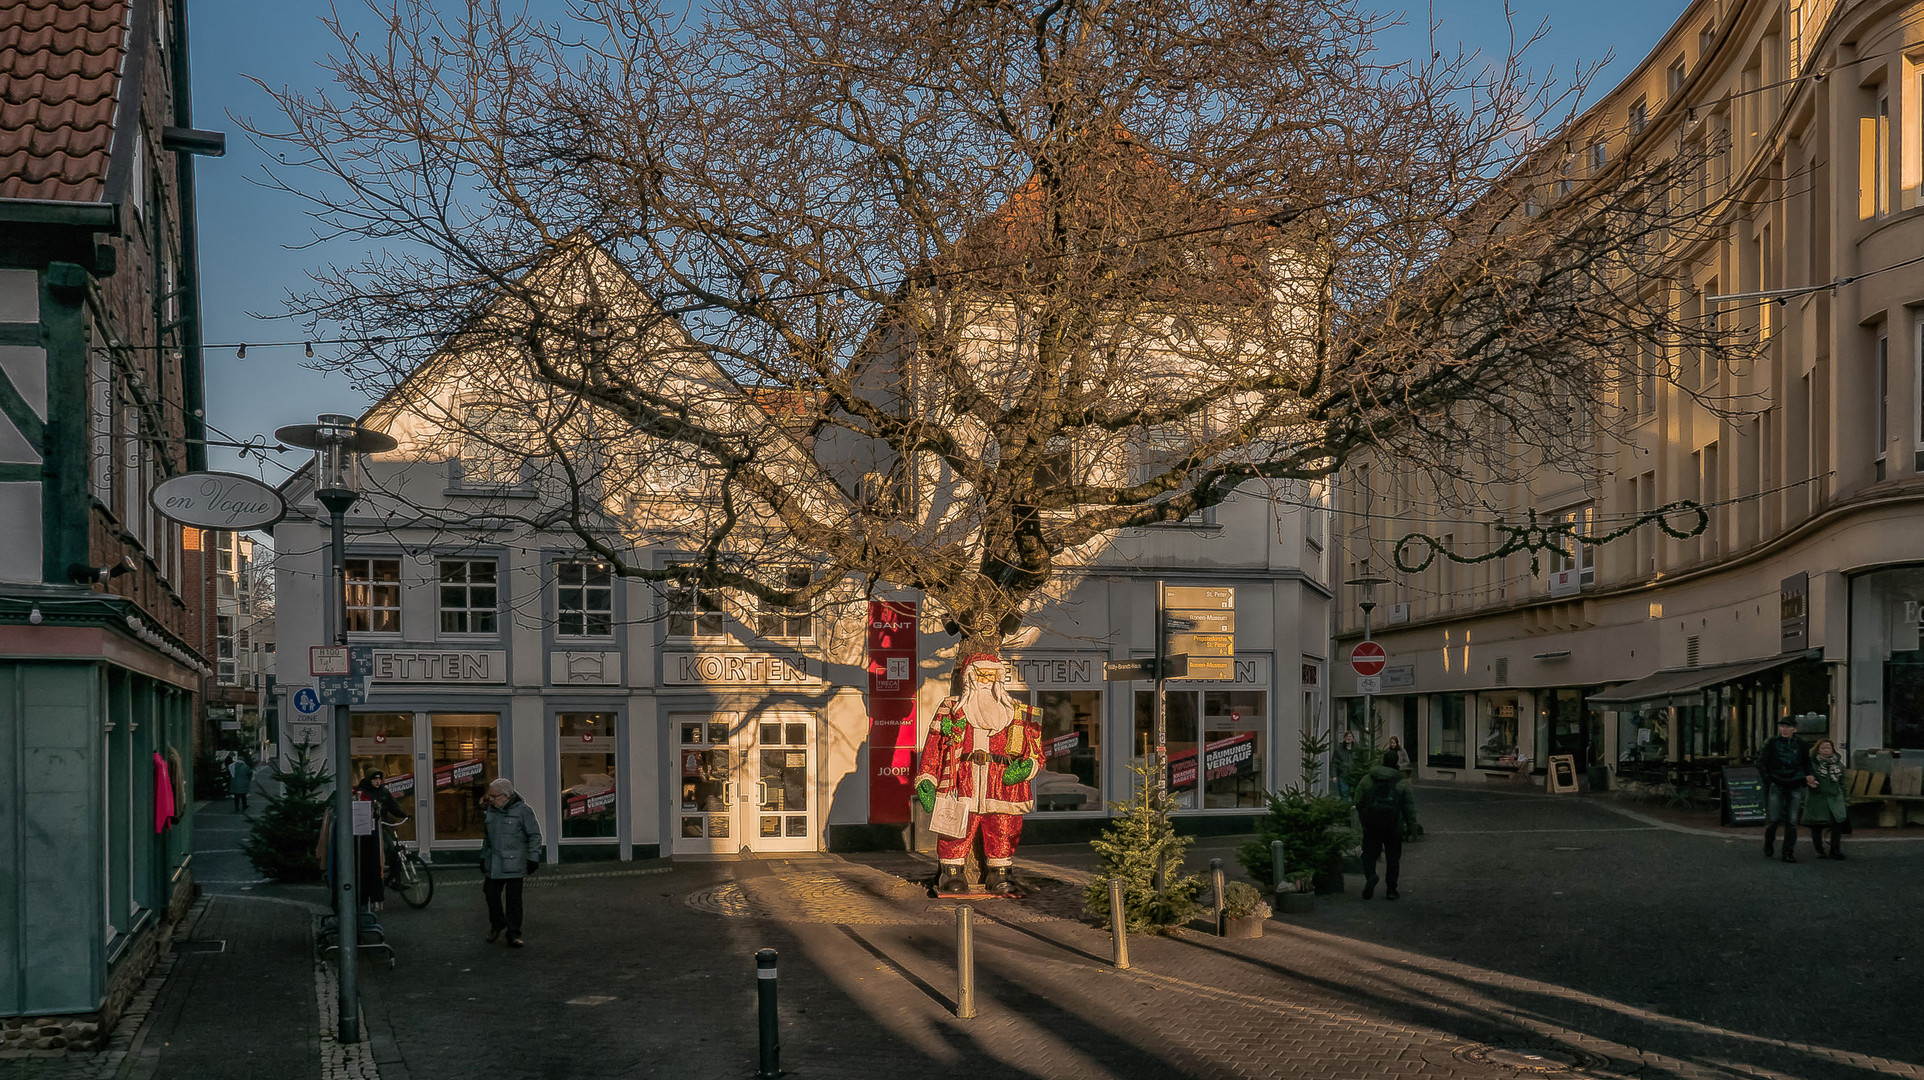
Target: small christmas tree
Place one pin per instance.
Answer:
(1142, 850)
(282, 843)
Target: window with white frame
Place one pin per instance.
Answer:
(497, 440)
(226, 671)
(373, 595)
(1572, 555)
(774, 620)
(584, 599)
(694, 612)
(1882, 425)
(470, 596)
(1917, 382)
(1160, 450)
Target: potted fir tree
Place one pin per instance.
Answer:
(1297, 894)
(1243, 910)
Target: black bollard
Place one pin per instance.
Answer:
(1216, 883)
(765, 999)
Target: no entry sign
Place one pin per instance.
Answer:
(1368, 658)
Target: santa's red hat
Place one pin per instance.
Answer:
(979, 658)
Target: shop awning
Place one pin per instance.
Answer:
(1680, 686)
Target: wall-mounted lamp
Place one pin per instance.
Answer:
(35, 617)
(82, 574)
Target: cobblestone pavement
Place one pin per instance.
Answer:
(1535, 937)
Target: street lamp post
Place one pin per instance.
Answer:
(338, 444)
(1368, 584)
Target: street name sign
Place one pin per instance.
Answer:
(327, 660)
(1144, 669)
(1368, 658)
(1199, 622)
(1199, 598)
(1208, 668)
(1202, 644)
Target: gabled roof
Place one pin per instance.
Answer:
(61, 64)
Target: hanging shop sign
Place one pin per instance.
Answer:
(218, 500)
(893, 661)
(1793, 613)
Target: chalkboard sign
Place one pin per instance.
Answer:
(1563, 773)
(1743, 797)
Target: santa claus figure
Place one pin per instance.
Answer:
(983, 747)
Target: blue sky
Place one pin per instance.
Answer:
(252, 238)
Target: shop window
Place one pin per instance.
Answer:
(584, 600)
(1643, 738)
(466, 760)
(470, 596)
(587, 754)
(1887, 663)
(1446, 731)
(1071, 777)
(385, 742)
(373, 595)
(694, 612)
(1496, 732)
(774, 620)
(1216, 745)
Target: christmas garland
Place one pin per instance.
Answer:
(1540, 537)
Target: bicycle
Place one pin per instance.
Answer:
(407, 874)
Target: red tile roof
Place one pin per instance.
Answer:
(60, 65)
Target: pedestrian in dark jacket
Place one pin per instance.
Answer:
(1785, 764)
(1387, 809)
(1341, 761)
(510, 851)
(1826, 807)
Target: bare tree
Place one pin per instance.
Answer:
(943, 294)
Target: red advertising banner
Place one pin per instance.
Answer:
(1222, 758)
(892, 677)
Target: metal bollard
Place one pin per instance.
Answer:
(765, 1000)
(1216, 880)
(1120, 920)
(1276, 864)
(964, 962)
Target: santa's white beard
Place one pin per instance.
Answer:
(987, 708)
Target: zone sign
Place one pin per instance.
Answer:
(1368, 658)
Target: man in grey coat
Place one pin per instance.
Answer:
(510, 851)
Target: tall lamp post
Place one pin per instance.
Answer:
(1368, 584)
(338, 444)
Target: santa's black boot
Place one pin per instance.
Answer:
(950, 881)
(997, 880)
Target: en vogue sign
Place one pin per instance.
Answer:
(738, 669)
(217, 500)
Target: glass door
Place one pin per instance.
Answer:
(384, 743)
(707, 781)
(783, 772)
(466, 758)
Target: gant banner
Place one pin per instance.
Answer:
(893, 671)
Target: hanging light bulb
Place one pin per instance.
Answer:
(35, 617)
(310, 349)
(241, 353)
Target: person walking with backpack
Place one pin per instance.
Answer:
(1387, 809)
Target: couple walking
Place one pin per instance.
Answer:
(1802, 784)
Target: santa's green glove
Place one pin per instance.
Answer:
(925, 794)
(1018, 771)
